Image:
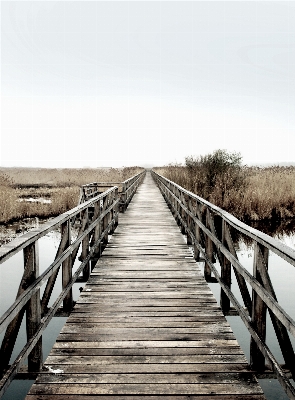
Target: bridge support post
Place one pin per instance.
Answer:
(197, 241)
(123, 205)
(209, 252)
(105, 223)
(225, 275)
(116, 210)
(189, 224)
(96, 235)
(67, 271)
(33, 308)
(85, 248)
(257, 359)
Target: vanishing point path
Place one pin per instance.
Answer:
(146, 324)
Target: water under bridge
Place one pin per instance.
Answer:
(146, 323)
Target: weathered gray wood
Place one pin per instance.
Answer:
(240, 279)
(85, 248)
(12, 329)
(241, 272)
(33, 308)
(146, 323)
(164, 397)
(21, 300)
(257, 359)
(280, 329)
(51, 281)
(225, 275)
(67, 272)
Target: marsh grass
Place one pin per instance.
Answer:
(60, 186)
(265, 194)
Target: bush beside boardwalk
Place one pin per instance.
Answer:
(60, 186)
(249, 193)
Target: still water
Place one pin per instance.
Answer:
(281, 274)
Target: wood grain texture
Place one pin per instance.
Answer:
(146, 324)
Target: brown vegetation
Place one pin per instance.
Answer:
(60, 186)
(249, 193)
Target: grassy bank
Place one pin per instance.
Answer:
(60, 187)
(257, 194)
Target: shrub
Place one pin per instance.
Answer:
(214, 176)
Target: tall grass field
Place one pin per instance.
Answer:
(50, 191)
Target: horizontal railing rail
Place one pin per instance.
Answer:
(98, 217)
(210, 230)
(126, 189)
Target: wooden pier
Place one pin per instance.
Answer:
(146, 323)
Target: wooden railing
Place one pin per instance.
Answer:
(210, 231)
(96, 219)
(126, 189)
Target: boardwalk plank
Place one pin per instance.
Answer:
(146, 324)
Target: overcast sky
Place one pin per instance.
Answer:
(105, 83)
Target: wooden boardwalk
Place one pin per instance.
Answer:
(146, 324)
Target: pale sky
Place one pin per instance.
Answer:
(105, 83)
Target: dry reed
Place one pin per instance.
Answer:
(267, 193)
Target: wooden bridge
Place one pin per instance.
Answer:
(146, 323)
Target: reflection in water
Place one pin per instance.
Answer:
(280, 230)
(275, 228)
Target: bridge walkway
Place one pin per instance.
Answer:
(146, 323)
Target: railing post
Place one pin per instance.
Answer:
(33, 307)
(51, 281)
(106, 222)
(189, 240)
(96, 234)
(198, 240)
(123, 198)
(67, 271)
(225, 275)
(280, 330)
(197, 234)
(257, 359)
(183, 214)
(113, 213)
(240, 279)
(116, 210)
(85, 248)
(209, 252)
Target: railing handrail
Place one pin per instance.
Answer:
(124, 187)
(282, 250)
(197, 218)
(8, 316)
(98, 218)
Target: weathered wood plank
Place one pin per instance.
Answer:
(218, 378)
(142, 351)
(163, 397)
(243, 387)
